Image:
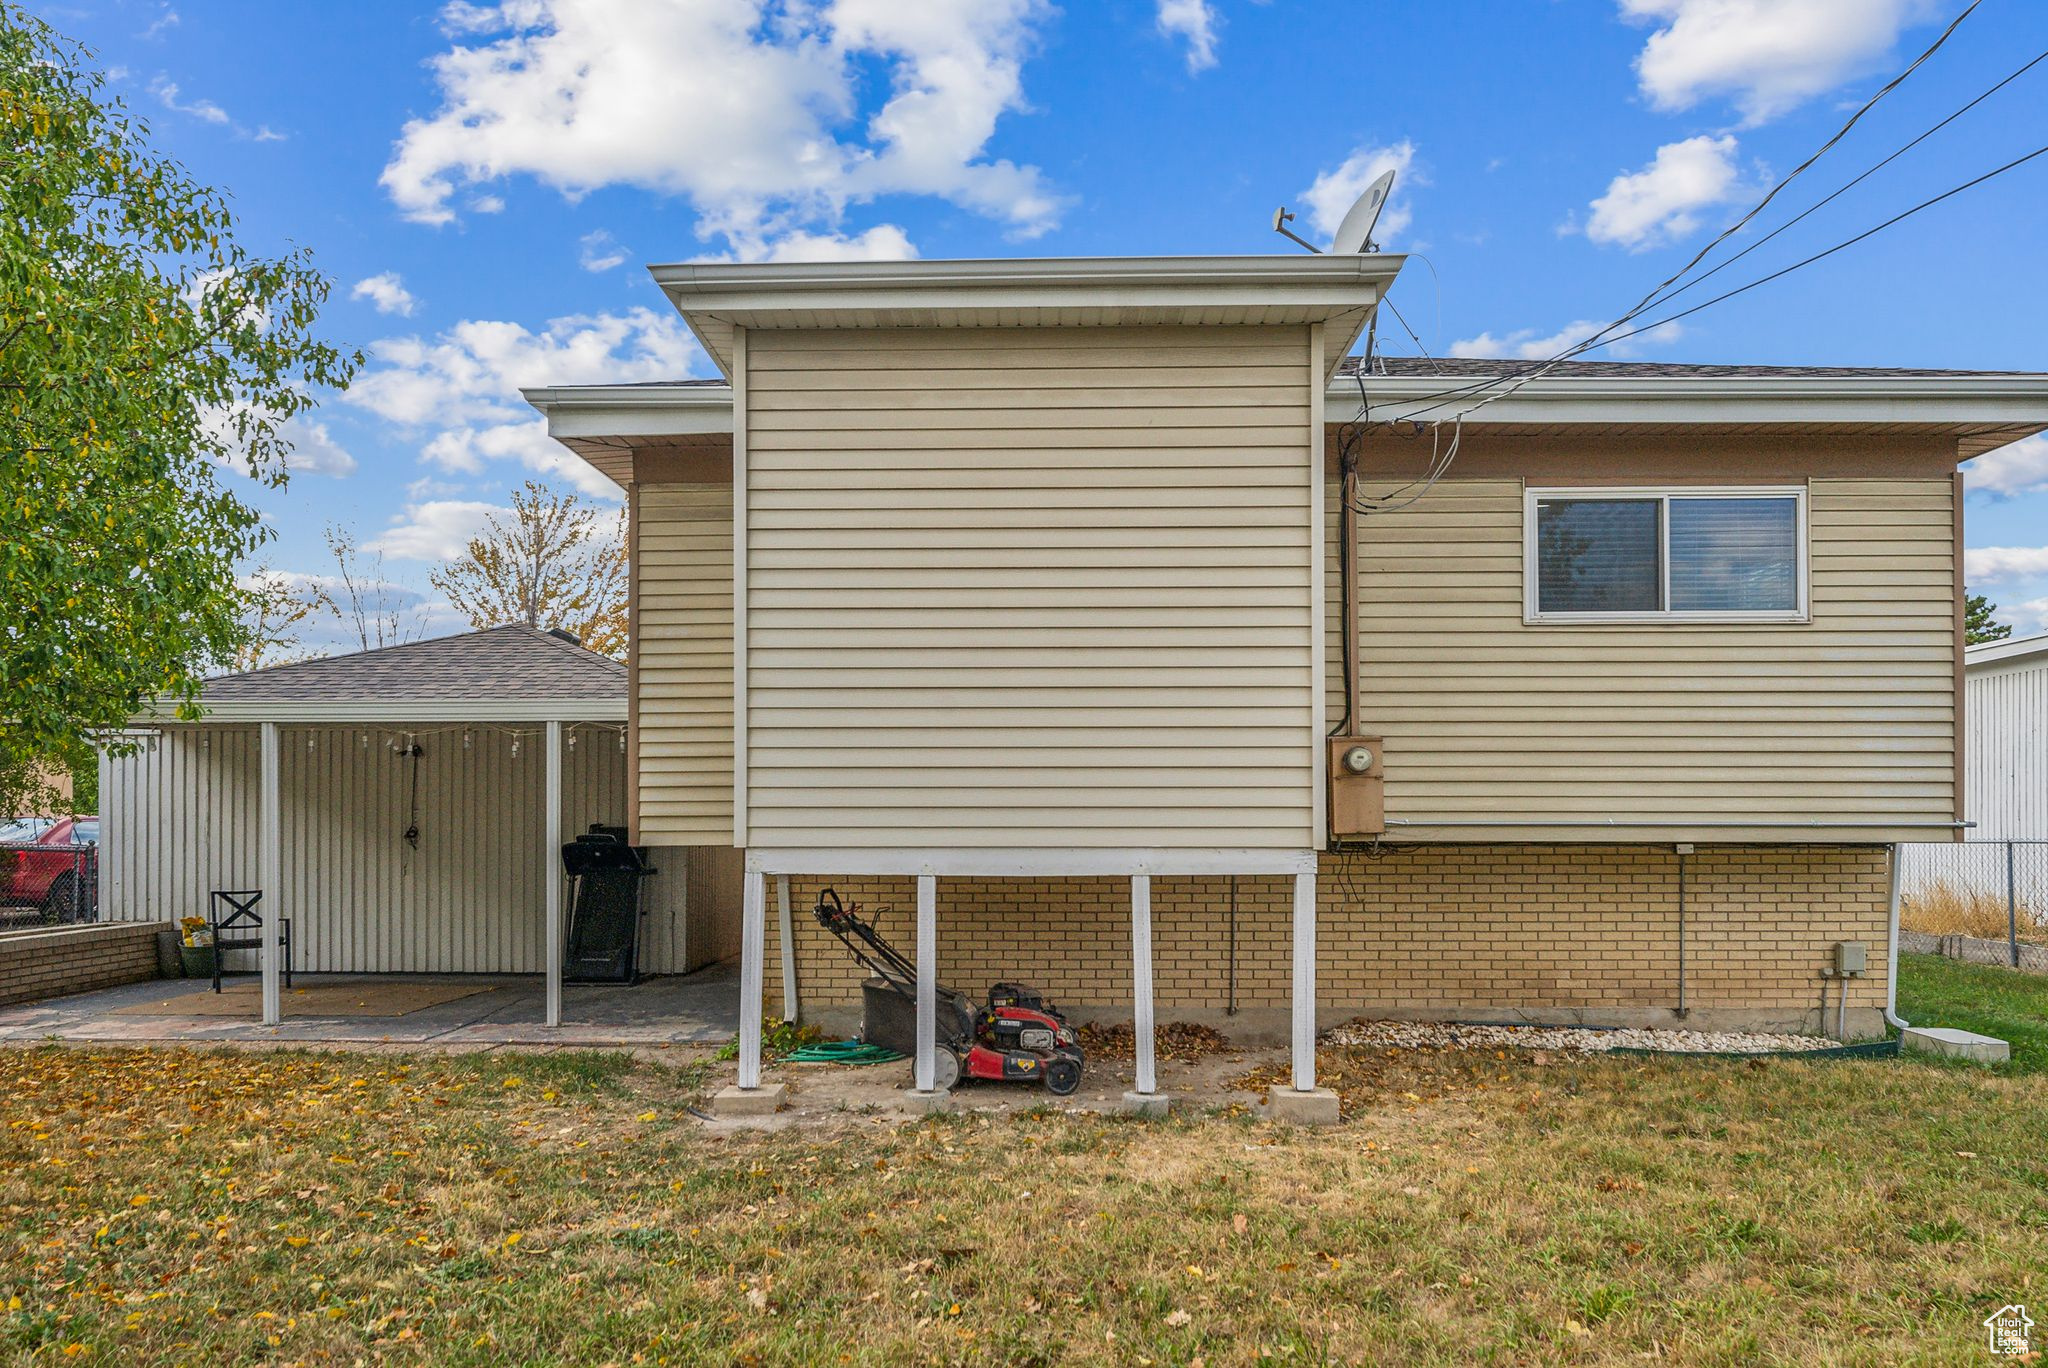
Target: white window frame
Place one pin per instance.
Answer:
(1663, 494)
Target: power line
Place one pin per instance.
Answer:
(1858, 180)
(1658, 294)
(1845, 243)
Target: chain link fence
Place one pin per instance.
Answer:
(49, 884)
(1981, 889)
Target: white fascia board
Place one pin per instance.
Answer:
(632, 410)
(1999, 652)
(973, 283)
(398, 712)
(676, 410)
(1963, 399)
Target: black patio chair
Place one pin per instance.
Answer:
(241, 915)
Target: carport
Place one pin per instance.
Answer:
(403, 808)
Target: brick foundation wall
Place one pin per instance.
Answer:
(76, 959)
(1454, 931)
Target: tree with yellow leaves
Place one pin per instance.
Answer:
(555, 563)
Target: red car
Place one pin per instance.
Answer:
(53, 866)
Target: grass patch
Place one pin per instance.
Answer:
(1934, 991)
(193, 1207)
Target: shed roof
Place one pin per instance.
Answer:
(504, 673)
(2007, 651)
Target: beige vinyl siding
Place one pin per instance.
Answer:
(1031, 588)
(1846, 719)
(182, 813)
(684, 676)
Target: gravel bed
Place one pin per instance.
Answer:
(1437, 1035)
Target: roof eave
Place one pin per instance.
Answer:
(2006, 652)
(393, 712)
(1989, 401)
(718, 298)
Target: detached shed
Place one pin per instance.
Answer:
(421, 793)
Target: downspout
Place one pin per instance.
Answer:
(1682, 1011)
(1891, 953)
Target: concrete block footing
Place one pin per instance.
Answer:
(765, 1100)
(1946, 1040)
(921, 1103)
(1152, 1106)
(1316, 1107)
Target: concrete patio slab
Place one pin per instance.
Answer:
(699, 1008)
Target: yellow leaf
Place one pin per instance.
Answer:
(514, 1238)
(514, 1081)
(647, 1116)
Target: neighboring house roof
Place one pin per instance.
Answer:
(513, 672)
(2007, 651)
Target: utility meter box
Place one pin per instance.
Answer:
(1851, 958)
(1358, 787)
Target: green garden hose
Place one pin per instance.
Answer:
(843, 1052)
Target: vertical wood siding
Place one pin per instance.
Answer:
(684, 677)
(1848, 718)
(1030, 588)
(181, 818)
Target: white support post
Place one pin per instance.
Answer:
(270, 873)
(753, 949)
(927, 981)
(1141, 982)
(551, 873)
(1304, 984)
(785, 926)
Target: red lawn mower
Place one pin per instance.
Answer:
(1016, 1036)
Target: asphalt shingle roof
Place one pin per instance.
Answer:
(510, 663)
(1462, 366)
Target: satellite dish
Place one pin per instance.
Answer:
(1354, 234)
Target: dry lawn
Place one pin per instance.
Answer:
(216, 1208)
(1943, 909)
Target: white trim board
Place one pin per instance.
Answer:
(392, 712)
(1937, 402)
(983, 863)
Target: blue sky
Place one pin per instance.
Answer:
(486, 184)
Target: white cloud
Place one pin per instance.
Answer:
(758, 106)
(1527, 344)
(460, 391)
(601, 251)
(1194, 22)
(883, 242)
(314, 450)
(487, 204)
(1993, 564)
(167, 92)
(1334, 191)
(2026, 619)
(437, 530)
(1768, 56)
(2016, 469)
(1661, 202)
(387, 292)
